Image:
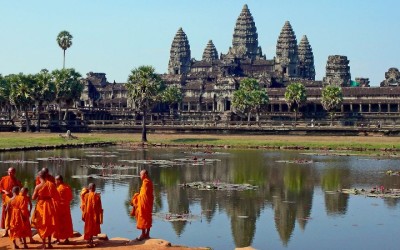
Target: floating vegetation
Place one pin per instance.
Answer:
(206, 153)
(105, 176)
(177, 217)
(297, 161)
(109, 166)
(394, 173)
(379, 192)
(19, 162)
(56, 158)
(218, 186)
(102, 155)
(154, 162)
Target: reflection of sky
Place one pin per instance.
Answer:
(372, 220)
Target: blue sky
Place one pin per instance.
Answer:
(116, 36)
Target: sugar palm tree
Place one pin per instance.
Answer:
(295, 96)
(144, 88)
(171, 96)
(43, 92)
(64, 40)
(331, 99)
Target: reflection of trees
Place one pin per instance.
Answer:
(334, 179)
(178, 203)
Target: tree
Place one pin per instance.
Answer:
(172, 95)
(64, 40)
(44, 91)
(21, 94)
(331, 99)
(295, 96)
(68, 88)
(5, 89)
(144, 88)
(250, 97)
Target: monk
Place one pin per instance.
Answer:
(48, 176)
(44, 215)
(18, 220)
(26, 211)
(143, 206)
(92, 214)
(65, 231)
(6, 185)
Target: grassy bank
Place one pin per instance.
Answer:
(12, 140)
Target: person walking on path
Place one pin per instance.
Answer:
(143, 206)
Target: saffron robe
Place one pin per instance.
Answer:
(6, 183)
(26, 213)
(143, 203)
(44, 216)
(18, 220)
(92, 215)
(64, 220)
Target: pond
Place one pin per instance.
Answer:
(294, 205)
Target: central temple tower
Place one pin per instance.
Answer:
(245, 38)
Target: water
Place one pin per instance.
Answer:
(293, 207)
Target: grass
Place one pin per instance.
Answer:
(11, 140)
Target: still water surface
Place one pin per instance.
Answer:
(293, 208)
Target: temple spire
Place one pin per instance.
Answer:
(179, 61)
(286, 51)
(210, 52)
(306, 69)
(245, 37)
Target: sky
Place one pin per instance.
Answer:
(117, 36)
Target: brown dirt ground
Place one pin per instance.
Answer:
(114, 243)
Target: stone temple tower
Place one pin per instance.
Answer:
(286, 52)
(245, 37)
(179, 60)
(337, 71)
(210, 52)
(306, 68)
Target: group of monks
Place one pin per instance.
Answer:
(52, 214)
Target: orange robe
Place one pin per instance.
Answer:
(92, 215)
(27, 232)
(18, 220)
(7, 183)
(65, 229)
(143, 203)
(44, 215)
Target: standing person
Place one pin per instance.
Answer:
(92, 214)
(17, 218)
(65, 228)
(26, 211)
(44, 215)
(6, 185)
(143, 206)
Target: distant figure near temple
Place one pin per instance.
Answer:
(6, 185)
(92, 214)
(143, 206)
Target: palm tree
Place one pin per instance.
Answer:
(5, 95)
(250, 97)
(43, 91)
(64, 40)
(144, 88)
(68, 88)
(331, 99)
(172, 95)
(21, 94)
(295, 96)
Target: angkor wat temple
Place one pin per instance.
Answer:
(208, 84)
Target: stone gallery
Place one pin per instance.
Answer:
(208, 84)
